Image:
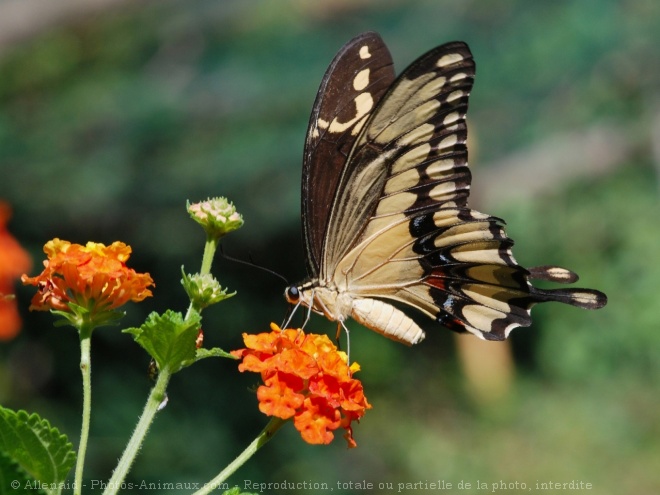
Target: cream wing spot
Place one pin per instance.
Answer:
(480, 317)
(411, 158)
(364, 103)
(358, 127)
(364, 52)
(486, 252)
(396, 203)
(361, 80)
(418, 135)
(320, 124)
(463, 233)
(411, 101)
(487, 296)
(447, 142)
(402, 181)
(396, 107)
(477, 215)
(455, 95)
(561, 275)
(450, 58)
(414, 120)
(440, 168)
(445, 218)
(451, 118)
(431, 89)
(442, 189)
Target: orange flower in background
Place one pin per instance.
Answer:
(14, 260)
(305, 378)
(94, 277)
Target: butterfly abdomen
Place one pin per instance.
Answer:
(387, 320)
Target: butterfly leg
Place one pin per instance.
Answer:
(309, 311)
(289, 315)
(338, 335)
(340, 325)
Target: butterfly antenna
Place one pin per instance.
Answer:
(287, 316)
(252, 264)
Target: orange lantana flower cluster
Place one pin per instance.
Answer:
(94, 277)
(305, 378)
(14, 260)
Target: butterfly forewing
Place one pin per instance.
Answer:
(411, 153)
(356, 80)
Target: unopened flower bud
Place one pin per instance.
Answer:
(204, 290)
(217, 216)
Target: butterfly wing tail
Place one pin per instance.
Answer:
(552, 274)
(474, 283)
(581, 298)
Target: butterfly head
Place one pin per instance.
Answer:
(320, 299)
(305, 294)
(292, 295)
(296, 296)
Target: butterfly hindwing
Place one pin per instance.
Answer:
(355, 81)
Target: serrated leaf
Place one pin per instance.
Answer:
(15, 481)
(35, 454)
(214, 352)
(169, 339)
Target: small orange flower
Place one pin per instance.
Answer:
(94, 277)
(307, 378)
(14, 260)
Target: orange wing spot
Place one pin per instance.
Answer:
(437, 280)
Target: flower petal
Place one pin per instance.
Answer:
(278, 397)
(316, 421)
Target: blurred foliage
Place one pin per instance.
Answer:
(108, 124)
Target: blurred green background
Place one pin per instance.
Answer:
(113, 113)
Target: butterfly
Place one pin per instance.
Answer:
(386, 223)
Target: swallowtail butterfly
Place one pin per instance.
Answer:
(384, 204)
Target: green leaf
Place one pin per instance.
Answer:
(169, 339)
(33, 455)
(215, 352)
(15, 481)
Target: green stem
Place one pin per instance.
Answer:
(266, 434)
(86, 370)
(207, 260)
(156, 398)
(209, 251)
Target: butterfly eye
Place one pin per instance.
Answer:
(292, 294)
